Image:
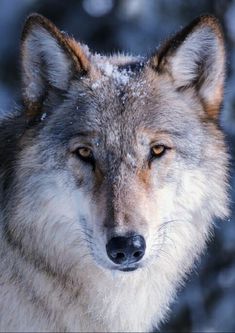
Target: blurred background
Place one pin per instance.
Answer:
(207, 302)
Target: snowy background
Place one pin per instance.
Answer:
(207, 303)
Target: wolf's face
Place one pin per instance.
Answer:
(122, 163)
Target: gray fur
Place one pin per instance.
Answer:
(58, 212)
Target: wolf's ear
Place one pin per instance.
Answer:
(195, 57)
(49, 60)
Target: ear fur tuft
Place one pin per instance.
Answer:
(49, 59)
(195, 57)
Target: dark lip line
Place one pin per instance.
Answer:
(130, 269)
(126, 268)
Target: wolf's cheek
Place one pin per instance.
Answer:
(192, 189)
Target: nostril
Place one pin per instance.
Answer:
(137, 254)
(119, 256)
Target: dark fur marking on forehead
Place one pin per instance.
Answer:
(121, 96)
(132, 66)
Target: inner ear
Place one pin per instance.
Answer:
(195, 58)
(50, 60)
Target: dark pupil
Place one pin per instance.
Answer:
(86, 152)
(87, 157)
(159, 150)
(157, 154)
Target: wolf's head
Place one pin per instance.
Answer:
(117, 161)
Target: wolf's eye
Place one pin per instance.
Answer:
(85, 154)
(158, 150)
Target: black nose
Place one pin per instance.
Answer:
(126, 250)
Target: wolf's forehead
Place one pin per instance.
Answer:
(120, 99)
(115, 72)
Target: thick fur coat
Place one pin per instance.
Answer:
(106, 146)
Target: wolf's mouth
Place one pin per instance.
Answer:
(128, 269)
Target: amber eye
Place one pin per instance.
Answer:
(85, 154)
(158, 150)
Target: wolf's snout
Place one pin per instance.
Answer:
(126, 250)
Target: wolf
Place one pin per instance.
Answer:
(112, 174)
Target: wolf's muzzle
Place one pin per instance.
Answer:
(126, 251)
